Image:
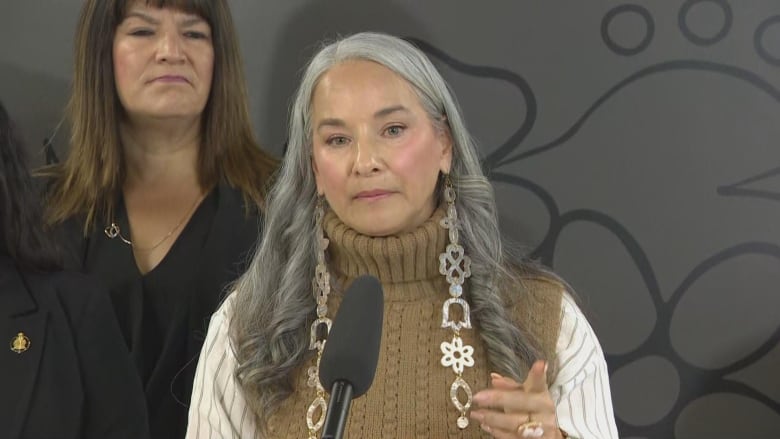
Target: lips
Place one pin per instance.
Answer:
(374, 194)
(171, 79)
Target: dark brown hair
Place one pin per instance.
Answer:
(22, 236)
(88, 181)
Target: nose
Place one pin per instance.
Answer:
(169, 47)
(367, 158)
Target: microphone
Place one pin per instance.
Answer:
(348, 363)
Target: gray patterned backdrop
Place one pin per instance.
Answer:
(635, 148)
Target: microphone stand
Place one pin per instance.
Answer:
(338, 410)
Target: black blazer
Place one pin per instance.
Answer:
(65, 370)
(163, 315)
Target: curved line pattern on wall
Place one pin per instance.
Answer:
(739, 189)
(695, 381)
(700, 40)
(694, 65)
(627, 9)
(758, 39)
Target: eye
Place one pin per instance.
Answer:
(196, 35)
(337, 141)
(394, 130)
(141, 32)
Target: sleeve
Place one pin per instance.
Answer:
(114, 397)
(581, 389)
(217, 407)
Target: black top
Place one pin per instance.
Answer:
(164, 314)
(65, 371)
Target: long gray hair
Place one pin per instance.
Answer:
(275, 306)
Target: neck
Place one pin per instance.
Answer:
(160, 154)
(405, 258)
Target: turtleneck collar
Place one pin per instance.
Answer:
(408, 257)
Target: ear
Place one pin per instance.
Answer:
(445, 140)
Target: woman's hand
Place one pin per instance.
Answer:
(512, 410)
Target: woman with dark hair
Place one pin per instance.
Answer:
(381, 177)
(161, 193)
(67, 373)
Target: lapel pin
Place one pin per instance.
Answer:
(20, 343)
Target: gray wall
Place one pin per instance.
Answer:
(634, 147)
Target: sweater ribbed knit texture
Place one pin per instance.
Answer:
(410, 396)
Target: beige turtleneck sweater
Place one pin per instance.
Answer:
(410, 395)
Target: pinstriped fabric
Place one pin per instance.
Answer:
(218, 409)
(581, 390)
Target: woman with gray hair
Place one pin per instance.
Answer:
(382, 178)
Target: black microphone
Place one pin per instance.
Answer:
(348, 363)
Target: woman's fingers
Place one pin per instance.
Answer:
(504, 383)
(508, 406)
(536, 381)
(499, 420)
(512, 401)
(511, 425)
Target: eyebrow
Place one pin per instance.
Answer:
(338, 123)
(390, 110)
(189, 21)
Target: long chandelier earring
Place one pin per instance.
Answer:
(456, 267)
(320, 327)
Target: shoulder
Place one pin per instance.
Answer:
(219, 325)
(217, 356)
(541, 287)
(537, 297)
(578, 347)
(218, 407)
(237, 207)
(535, 307)
(224, 312)
(235, 197)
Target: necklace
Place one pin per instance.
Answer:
(113, 230)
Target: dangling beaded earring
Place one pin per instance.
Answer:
(321, 289)
(456, 267)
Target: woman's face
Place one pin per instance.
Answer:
(163, 63)
(376, 153)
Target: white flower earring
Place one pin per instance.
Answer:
(456, 267)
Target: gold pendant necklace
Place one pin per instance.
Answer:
(113, 230)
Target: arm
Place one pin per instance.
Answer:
(577, 405)
(581, 390)
(217, 407)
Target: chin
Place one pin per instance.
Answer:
(377, 227)
(380, 233)
(383, 221)
(172, 113)
(167, 106)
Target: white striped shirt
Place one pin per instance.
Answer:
(581, 389)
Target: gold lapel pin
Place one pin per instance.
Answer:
(20, 343)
